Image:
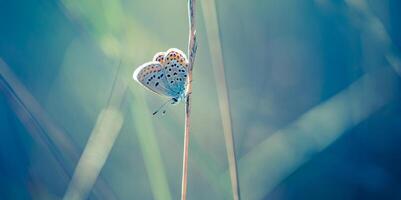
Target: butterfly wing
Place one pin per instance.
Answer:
(159, 57)
(152, 76)
(175, 67)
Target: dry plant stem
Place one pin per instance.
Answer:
(216, 55)
(192, 46)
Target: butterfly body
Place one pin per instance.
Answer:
(166, 75)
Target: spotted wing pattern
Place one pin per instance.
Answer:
(151, 75)
(166, 74)
(159, 57)
(175, 67)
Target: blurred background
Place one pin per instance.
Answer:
(314, 94)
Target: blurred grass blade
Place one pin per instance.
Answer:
(150, 147)
(315, 130)
(100, 142)
(95, 154)
(212, 31)
(374, 26)
(43, 129)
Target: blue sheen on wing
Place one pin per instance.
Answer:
(175, 66)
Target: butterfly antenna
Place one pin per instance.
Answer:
(164, 104)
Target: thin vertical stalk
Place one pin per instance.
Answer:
(216, 55)
(192, 46)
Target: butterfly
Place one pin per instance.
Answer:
(165, 75)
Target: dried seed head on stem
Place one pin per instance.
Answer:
(192, 47)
